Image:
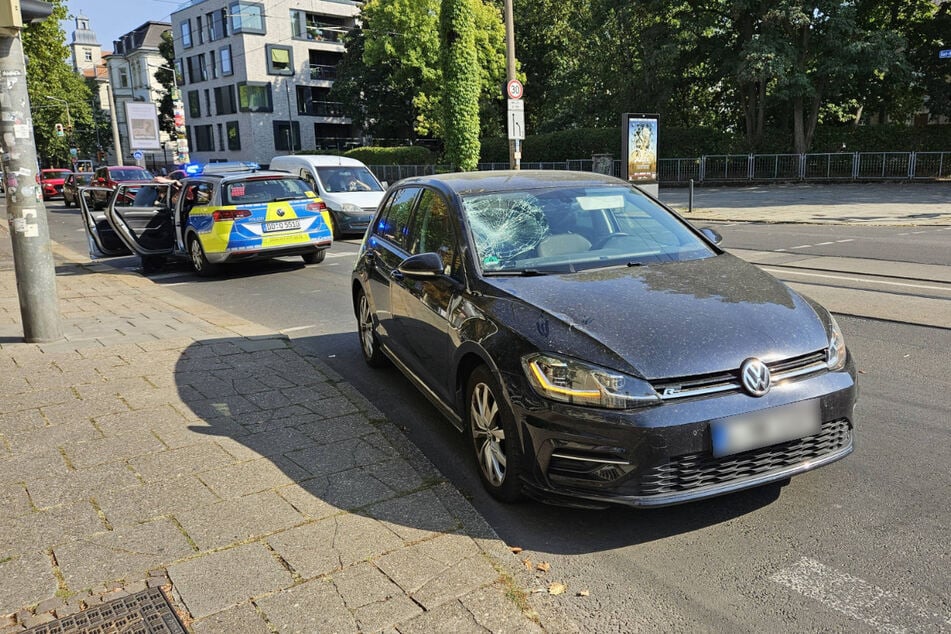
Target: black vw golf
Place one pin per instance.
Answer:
(595, 347)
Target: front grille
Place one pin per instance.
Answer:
(729, 381)
(698, 470)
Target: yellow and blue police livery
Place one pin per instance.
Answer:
(229, 214)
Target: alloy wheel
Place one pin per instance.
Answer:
(488, 433)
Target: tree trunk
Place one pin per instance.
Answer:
(813, 119)
(799, 134)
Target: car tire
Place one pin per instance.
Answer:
(334, 226)
(491, 427)
(200, 263)
(369, 344)
(315, 257)
(152, 263)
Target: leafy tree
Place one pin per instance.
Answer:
(371, 94)
(167, 79)
(402, 43)
(460, 69)
(52, 84)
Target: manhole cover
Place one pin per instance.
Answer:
(145, 612)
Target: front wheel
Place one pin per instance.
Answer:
(369, 345)
(200, 263)
(494, 439)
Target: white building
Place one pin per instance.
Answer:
(256, 76)
(131, 70)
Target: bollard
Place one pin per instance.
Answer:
(690, 198)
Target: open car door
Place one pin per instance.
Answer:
(141, 217)
(102, 238)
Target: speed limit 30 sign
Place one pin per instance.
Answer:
(514, 89)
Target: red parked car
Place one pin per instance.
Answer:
(111, 175)
(51, 182)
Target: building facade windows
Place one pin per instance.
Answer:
(194, 104)
(198, 32)
(255, 97)
(234, 136)
(204, 138)
(225, 101)
(87, 54)
(287, 136)
(186, 34)
(247, 17)
(317, 28)
(225, 55)
(280, 59)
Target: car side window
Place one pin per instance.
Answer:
(431, 231)
(393, 224)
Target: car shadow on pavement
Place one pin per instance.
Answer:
(301, 421)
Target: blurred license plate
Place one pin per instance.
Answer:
(282, 225)
(767, 427)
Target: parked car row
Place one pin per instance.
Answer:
(594, 347)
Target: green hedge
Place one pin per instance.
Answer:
(581, 143)
(405, 155)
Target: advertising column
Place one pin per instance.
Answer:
(639, 150)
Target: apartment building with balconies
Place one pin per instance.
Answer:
(255, 76)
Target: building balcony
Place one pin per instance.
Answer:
(322, 72)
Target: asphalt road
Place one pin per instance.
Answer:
(860, 545)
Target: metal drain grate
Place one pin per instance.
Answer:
(145, 612)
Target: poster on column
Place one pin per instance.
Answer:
(639, 148)
(143, 126)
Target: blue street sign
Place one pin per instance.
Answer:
(137, 155)
(945, 54)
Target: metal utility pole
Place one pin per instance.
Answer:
(116, 141)
(29, 231)
(515, 138)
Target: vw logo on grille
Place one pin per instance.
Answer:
(280, 212)
(755, 377)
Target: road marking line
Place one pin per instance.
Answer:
(881, 609)
(802, 246)
(856, 279)
(822, 244)
(341, 255)
(297, 328)
(846, 240)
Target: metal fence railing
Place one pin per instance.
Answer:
(739, 168)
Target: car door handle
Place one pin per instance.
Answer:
(396, 275)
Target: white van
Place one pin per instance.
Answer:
(350, 190)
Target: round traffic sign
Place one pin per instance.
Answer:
(137, 155)
(514, 89)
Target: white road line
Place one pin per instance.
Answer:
(822, 244)
(855, 279)
(297, 328)
(881, 609)
(846, 240)
(802, 246)
(341, 255)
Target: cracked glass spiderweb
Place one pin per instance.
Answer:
(505, 228)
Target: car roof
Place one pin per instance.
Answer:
(247, 174)
(320, 160)
(463, 183)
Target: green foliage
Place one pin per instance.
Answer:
(52, 85)
(405, 155)
(460, 97)
(401, 67)
(166, 78)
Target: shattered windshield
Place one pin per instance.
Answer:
(574, 228)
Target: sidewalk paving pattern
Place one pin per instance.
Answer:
(166, 443)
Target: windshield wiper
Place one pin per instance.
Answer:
(516, 272)
(283, 198)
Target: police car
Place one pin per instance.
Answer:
(218, 214)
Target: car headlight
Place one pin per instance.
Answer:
(570, 381)
(350, 208)
(835, 355)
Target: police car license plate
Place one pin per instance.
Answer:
(281, 225)
(767, 427)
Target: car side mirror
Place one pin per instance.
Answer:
(385, 184)
(712, 235)
(421, 265)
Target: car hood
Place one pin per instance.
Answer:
(663, 320)
(365, 200)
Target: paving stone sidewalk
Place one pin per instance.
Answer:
(166, 443)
